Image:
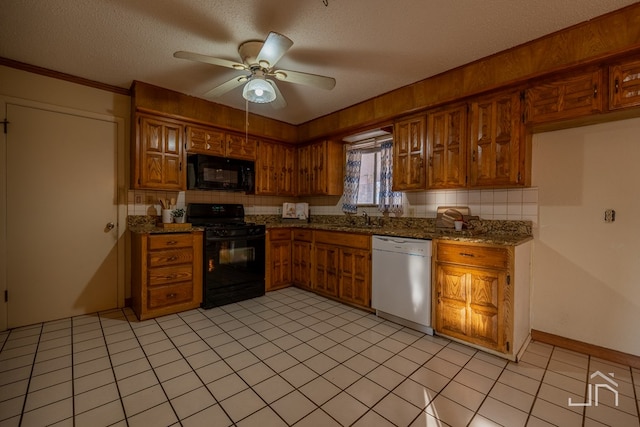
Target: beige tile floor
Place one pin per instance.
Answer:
(290, 358)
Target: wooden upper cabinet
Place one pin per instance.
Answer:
(241, 147)
(320, 168)
(205, 141)
(624, 85)
(498, 142)
(571, 97)
(216, 142)
(447, 147)
(275, 169)
(158, 154)
(409, 147)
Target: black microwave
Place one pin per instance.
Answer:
(219, 173)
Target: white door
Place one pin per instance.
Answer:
(61, 194)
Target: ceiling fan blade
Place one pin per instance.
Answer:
(308, 79)
(209, 60)
(275, 46)
(279, 102)
(226, 87)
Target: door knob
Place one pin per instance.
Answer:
(110, 226)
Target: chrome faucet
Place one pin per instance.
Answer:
(367, 218)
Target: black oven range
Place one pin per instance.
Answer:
(234, 253)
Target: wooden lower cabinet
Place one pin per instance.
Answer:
(330, 263)
(278, 259)
(301, 262)
(327, 269)
(481, 294)
(343, 266)
(166, 273)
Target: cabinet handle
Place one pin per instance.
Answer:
(617, 85)
(430, 161)
(172, 295)
(172, 258)
(595, 91)
(466, 254)
(473, 155)
(172, 242)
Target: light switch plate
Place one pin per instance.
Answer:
(609, 215)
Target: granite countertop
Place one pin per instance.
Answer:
(510, 233)
(143, 224)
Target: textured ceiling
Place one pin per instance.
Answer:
(369, 46)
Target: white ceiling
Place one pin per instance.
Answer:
(369, 46)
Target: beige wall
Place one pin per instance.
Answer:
(586, 272)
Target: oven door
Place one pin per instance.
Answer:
(234, 269)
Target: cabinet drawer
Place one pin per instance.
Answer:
(163, 296)
(173, 240)
(361, 241)
(280, 234)
(165, 275)
(170, 257)
(303, 235)
(479, 256)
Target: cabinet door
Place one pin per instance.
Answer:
(355, 282)
(301, 263)
(159, 156)
(446, 142)
(240, 147)
(317, 166)
(278, 259)
(485, 306)
(304, 175)
(575, 96)
(497, 142)
(266, 183)
(327, 264)
(408, 154)
(205, 141)
(624, 85)
(286, 166)
(452, 295)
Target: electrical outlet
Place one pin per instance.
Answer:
(609, 215)
(279, 210)
(412, 212)
(138, 199)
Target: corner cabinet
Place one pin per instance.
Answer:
(499, 146)
(301, 253)
(275, 169)
(278, 259)
(320, 169)
(447, 147)
(481, 295)
(158, 157)
(343, 266)
(166, 273)
(409, 149)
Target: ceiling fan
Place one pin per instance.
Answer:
(259, 59)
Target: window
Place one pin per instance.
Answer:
(369, 183)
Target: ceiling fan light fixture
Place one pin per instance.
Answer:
(258, 90)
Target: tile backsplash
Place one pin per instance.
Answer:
(499, 204)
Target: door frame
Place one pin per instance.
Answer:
(120, 191)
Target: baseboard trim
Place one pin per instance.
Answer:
(590, 349)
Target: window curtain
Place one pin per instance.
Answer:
(389, 200)
(351, 182)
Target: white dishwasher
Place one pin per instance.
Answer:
(401, 281)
